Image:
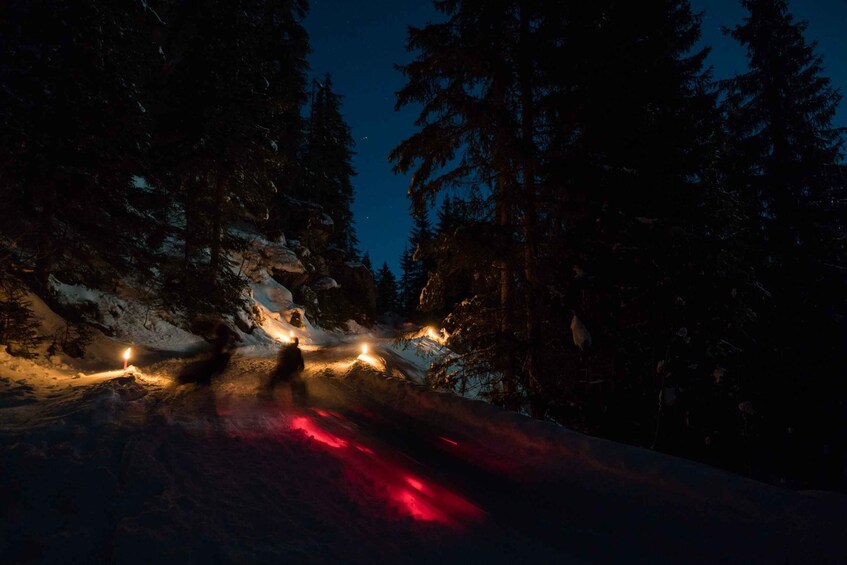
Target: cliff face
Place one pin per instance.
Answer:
(328, 285)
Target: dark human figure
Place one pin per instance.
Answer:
(202, 371)
(223, 335)
(221, 349)
(288, 369)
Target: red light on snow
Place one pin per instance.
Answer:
(364, 449)
(314, 432)
(417, 507)
(419, 498)
(450, 441)
(416, 484)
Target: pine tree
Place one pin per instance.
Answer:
(73, 125)
(366, 261)
(627, 236)
(329, 169)
(785, 164)
(450, 215)
(416, 263)
(475, 75)
(19, 330)
(445, 216)
(780, 114)
(406, 287)
(585, 132)
(386, 285)
(232, 84)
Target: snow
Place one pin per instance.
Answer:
(140, 183)
(581, 337)
(272, 295)
(420, 349)
(263, 255)
(129, 321)
(130, 466)
(273, 302)
(102, 463)
(325, 283)
(353, 327)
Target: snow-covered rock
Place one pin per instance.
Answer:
(128, 320)
(581, 337)
(325, 283)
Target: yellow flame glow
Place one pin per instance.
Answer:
(365, 349)
(372, 361)
(127, 353)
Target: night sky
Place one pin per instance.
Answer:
(359, 42)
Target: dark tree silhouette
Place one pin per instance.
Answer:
(785, 163)
(386, 287)
(328, 161)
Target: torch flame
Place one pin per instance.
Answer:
(127, 353)
(365, 349)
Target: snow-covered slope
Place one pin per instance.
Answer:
(105, 464)
(131, 467)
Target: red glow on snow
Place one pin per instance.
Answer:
(411, 494)
(311, 430)
(450, 441)
(415, 483)
(417, 506)
(364, 449)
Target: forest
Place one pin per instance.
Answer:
(622, 244)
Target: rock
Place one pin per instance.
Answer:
(243, 323)
(326, 283)
(295, 317)
(291, 281)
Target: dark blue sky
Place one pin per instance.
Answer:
(360, 41)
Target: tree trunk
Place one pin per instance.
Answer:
(44, 259)
(187, 234)
(217, 223)
(505, 330)
(503, 189)
(532, 290)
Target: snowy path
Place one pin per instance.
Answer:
(369, 469)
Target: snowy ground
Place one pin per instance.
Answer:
(133, 468)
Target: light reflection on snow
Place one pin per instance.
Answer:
(372, 361)
(310, 429)
(412, 495)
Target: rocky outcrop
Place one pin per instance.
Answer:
(329, 287)
(326, 283)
